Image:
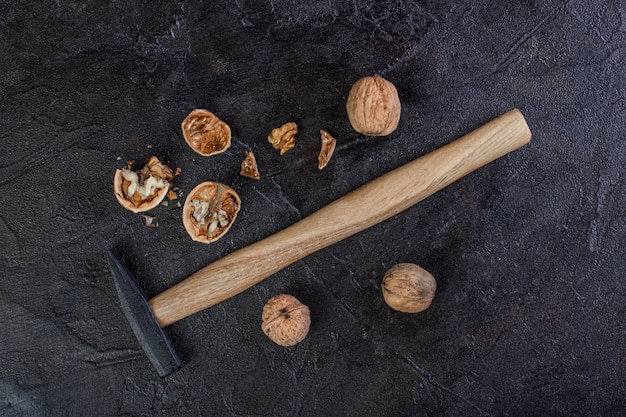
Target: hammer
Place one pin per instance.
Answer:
(366, 206)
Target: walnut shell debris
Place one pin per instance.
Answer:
(249, 167)
(209, 211)
(373, 106)
(284, 137)
(142, 190)
(408, 288)
(286, 320)
(328, 147)
(205, 133)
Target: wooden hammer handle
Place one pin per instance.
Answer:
(366, 206)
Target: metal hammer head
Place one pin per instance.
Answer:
(134, 303)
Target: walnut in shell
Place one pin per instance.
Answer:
(205, 133)
(142, 190)
(209, 211)
(286, 320)
(249, 167)
(284, 138)
(408, 288)
(328, 147)
(373, 106)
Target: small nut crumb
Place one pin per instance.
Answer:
(286, 320)
(328, 147)
(249, 167)
(283, 138)
(205, 133)
(149, 221)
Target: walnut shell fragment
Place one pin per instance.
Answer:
(249, 167)
(205, 133)
(286, 320)
(283, 138)
(142, 190)
(209, 211)
(328, 147)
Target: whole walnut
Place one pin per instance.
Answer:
(373, 106)
(286, 320)
(408, 288)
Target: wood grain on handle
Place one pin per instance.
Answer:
(366, 206)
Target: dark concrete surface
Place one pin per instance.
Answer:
(528, 252)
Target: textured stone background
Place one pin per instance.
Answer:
(528, 252)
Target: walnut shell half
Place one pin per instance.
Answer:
(286, 320)
(209, 211)
(373, 106)
(142, 190)
(205, 133)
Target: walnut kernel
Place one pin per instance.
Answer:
(283, 138)
(373, 106)
(408, 288)
(205, 133)
(286, 320)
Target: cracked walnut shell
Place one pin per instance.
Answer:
(373, 106)
(249, 167)
(209, 211)
(408, 288)
(142, 190)
(205, 133)
(286, 320)
(284, 137)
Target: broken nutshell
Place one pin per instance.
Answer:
(209, 211)
(408, 288)
(249, 167)
(283, 138)
(286, 320)
(205, 133)
(142, 190)
(328, 147)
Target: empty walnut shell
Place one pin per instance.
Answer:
(328, 147)
(284, 138)
(286, 320)
(373, 106)
(205, 133)
(142, 190)
(408, 288)
(209, 211)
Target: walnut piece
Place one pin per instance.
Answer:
(205, 133)
(209, 211)
(142, 190)
(286, 320)
(283, 138)
(328, 147)
(408, 288)
(373, 106)
(249, 167)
